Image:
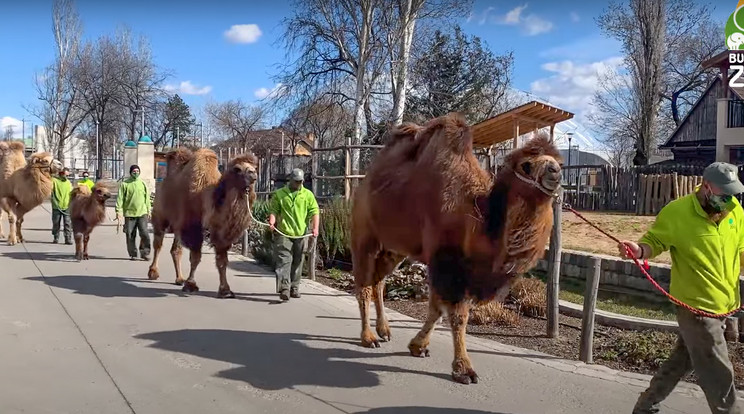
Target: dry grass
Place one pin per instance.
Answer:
(577, 235)
(493, 312)
(529, 296)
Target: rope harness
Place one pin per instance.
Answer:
(644, 267)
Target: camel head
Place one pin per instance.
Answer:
(101, 194)
(241, 171)
(45, 161)
(537, 165)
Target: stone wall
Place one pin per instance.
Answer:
(617, 274)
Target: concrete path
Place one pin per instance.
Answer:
(97, 337)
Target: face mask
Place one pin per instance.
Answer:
(135, 174)
(719, 203)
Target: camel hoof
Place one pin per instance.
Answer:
(179, 282)
(370, 342)
(190, 287)
(385, 334)
(225, 294)
(419, 351)
(153, 274)
(85, 256)
(467, 378)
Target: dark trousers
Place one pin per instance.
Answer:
(64, 216)
(701, 346)
(289, 259)
(133, 225)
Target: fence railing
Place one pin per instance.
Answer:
(348, 175)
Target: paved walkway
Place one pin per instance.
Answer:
(97, 337)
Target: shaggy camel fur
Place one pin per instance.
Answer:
(193, 198)
(25, 189)
(87, 210)
(426, 197)
(12, 157)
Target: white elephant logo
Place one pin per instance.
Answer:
(735, 41)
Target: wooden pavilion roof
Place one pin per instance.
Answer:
(511, 124)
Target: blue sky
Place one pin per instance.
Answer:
(557, 46)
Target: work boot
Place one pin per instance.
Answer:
(295, 293)
(68, 241)
(284, 295)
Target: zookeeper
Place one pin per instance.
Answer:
(133, 202)
(292, 205)
(86, 180)
(704, 233)
(61, 190)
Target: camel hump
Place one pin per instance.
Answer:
(401, 133)
(80, 190)
(17, 146)
(178, 157)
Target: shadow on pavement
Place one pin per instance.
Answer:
(424, 410)
(55, 256)
(114, 286)
(276, 361)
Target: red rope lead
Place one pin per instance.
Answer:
(644, 269)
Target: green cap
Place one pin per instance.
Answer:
(725, 177)
(297, 175)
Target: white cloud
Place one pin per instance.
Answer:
(274, 92)
(17, 124)
(575, 17)
(573, 85)
(531, 24)
(243, 33)
(188, 88)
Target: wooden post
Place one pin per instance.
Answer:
(313, 257)
(314, 168)
(552, 132)
(347, 172)
(587, 320)
(515, 141)
(554, 267)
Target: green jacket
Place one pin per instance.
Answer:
(705, 255)
(133, 199)
(88, 182)
(61, 193)
(293, 209)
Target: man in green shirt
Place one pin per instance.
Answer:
(704, 233)
(86, 180)
(133, 202)
(292, 205)
(61, 189)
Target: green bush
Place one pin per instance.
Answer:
(334, 238)
(260, 240)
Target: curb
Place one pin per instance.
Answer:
(617, 320)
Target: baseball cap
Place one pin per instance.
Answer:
(297, 175)
(725, 177)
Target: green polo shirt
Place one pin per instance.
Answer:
(61, 193)
(133, 199)
(293, 209)
(87, 182)
(705, 255)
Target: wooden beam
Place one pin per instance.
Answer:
(515, 140)
(590, 304)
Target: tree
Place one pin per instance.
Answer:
(60, 110)
(658, 84)
(167, 119)
(9, 133)
(457, 73)
(235, 120)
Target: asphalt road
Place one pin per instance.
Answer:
(98, 337)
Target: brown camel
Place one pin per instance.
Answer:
(87, 210)
(426, 197)
(193, 198)
(12, 157)
(26, 188)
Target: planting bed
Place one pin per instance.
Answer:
(626, 350)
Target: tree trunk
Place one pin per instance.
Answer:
(408, 23)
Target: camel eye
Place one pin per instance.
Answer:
(526, 167)
(237, 170)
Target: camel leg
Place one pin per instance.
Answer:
(2, 232)
(157, 243)
(363, 268)
(384, 265)
(79, 246)
(9, 207)
(224, 290)
(86, 238)
(419, 345)
(462, 368)
(19, 223)
(194, 259)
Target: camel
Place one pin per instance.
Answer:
(425, 197)
(195, 198)
(87, 210)
(12, 157)
(26, 187)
